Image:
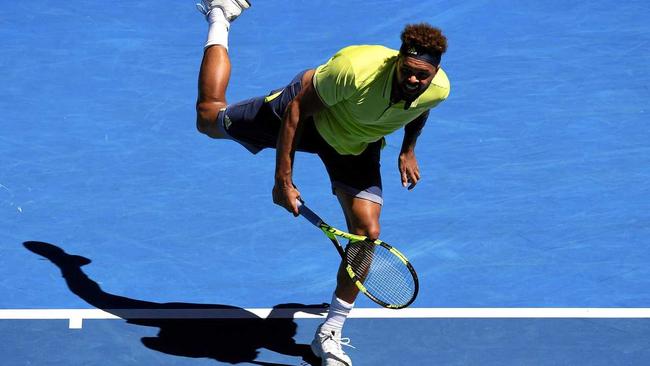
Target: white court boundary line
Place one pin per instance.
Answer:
(76, 317)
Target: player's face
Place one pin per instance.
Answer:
(413, 77)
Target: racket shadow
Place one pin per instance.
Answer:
(235, 339)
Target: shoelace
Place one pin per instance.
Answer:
(202, 9)
(341, 341)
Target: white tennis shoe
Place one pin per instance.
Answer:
(231, 8)
(327, 345)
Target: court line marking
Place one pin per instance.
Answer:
(76, 317)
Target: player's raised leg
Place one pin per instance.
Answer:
(215, 67)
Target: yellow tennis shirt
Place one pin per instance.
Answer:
(355, 85)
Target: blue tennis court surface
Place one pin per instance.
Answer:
(535, 190)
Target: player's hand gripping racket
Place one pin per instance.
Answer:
(377, 269)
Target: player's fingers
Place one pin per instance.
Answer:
(405, 178)
(293, 202)
(414, 177)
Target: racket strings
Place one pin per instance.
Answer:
(383, 274)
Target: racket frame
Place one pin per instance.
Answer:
(332, 233)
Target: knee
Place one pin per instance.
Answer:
(373, 232)
(206, 118)
(205, 126)
(368, 229)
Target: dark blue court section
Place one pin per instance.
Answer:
(454, 342)
(535, 190)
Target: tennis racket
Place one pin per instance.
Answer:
(380, 271)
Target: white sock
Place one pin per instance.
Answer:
(218, 29)
(337, 314)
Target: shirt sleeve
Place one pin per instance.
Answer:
(335, 80)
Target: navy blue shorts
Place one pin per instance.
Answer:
(255, 124)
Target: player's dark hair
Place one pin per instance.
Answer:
(424, 39)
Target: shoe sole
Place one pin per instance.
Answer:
(314, 350)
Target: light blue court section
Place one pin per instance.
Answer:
(536, 171)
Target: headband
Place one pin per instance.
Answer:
(421, 54)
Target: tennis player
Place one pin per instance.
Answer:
(341, 110)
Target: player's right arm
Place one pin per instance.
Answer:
(324, 87)
(303, 106)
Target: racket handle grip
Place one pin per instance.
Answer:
(309, 214)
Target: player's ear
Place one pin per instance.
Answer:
(435, 69)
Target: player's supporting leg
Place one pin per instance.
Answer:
(362, 217)
(215, 67)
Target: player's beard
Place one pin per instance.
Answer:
(409, 95)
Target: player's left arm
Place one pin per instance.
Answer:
(407, 162)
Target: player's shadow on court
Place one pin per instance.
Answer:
(236, 339)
